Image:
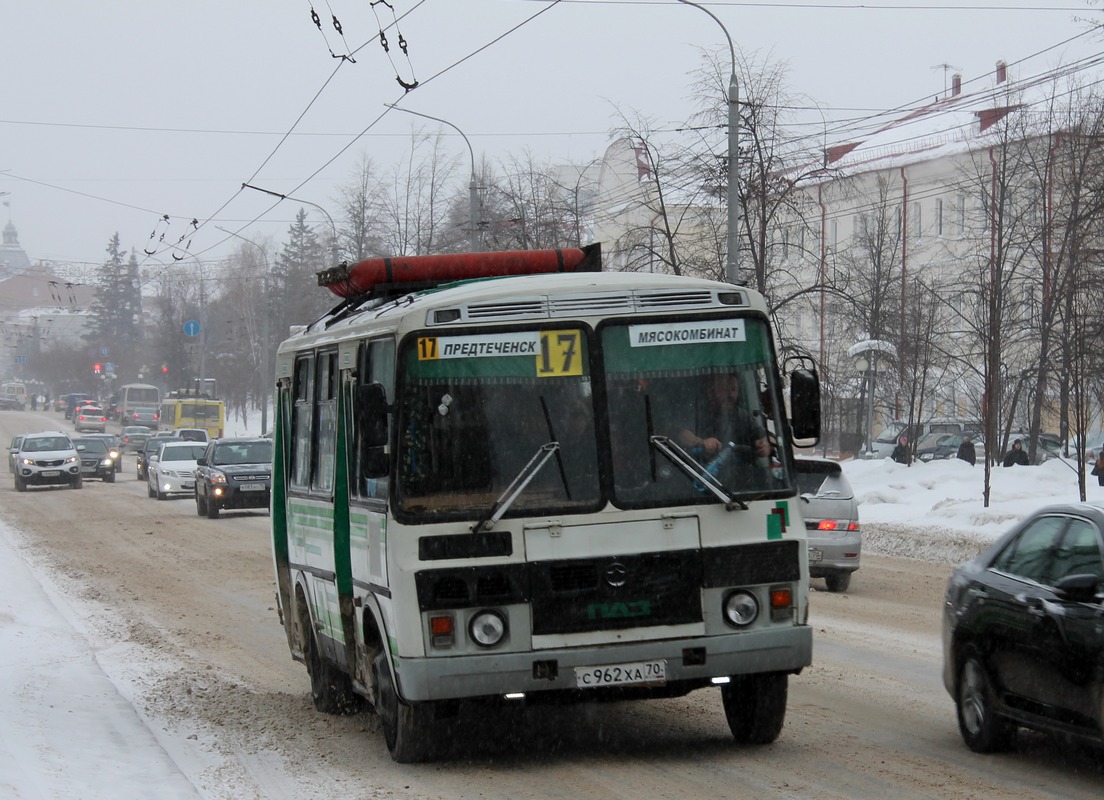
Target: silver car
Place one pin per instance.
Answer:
(831, 521)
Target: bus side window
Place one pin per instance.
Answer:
(325, 407)
(301, 421)
(369, 459)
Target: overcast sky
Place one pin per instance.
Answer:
(120, 111)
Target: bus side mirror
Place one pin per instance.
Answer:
(805, 404)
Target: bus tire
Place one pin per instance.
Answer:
(331, 689)
(407, 727)
(755, 706)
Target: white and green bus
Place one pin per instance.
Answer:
(483, 490)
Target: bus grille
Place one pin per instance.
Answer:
(614, 593)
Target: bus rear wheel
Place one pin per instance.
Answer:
(755, 706)
(331, 689)
(407, 727)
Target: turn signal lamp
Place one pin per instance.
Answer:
(442, 630)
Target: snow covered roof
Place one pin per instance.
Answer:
(953, 124)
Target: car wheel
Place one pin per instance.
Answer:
(20, 484)
(982, 728)
(201, 504)
(160, 495)
(79, 482)
(407, 727)
(110, 477)
(838, 581)
(212, 509)
(149, 490)
(755, 706)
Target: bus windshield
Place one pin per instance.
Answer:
(702, 389)
(476, 410)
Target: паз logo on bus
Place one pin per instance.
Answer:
(633, 608)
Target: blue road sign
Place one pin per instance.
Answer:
(20, 359)
(104, 351)
(191, 328)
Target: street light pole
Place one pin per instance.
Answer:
(473, 186)
(264, 329)
(732, 264)
(333, 228)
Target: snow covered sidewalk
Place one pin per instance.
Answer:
(65, 731)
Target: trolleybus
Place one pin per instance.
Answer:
(483, 490)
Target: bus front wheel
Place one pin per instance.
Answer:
(407, 728)
(755, 706)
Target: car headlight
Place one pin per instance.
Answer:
(28, 462)
(218, 477)
(113, 454)
(741, 609)
(487, 628)
(69, 460)
(107, 462)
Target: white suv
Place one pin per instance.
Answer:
(44, 459)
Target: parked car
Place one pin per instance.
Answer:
(13, 448)
(149, 448)
(90, 418)
(114, 447)
(134, 436)
(831, 516)
(171, 469)
(46, 459)
(1023, 643)
(95, 460)
(234, 473)
(938, 446)
(144, 416)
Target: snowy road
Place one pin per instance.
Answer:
(159, 661)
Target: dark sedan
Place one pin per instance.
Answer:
(233, 473)
(141, 463)
(95, 458)
(1023, 631)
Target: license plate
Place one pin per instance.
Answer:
(815, 554)
(187, 485)
(252, 487)
(652, 673)
(51, 473)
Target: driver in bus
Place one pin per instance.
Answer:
(722, 420)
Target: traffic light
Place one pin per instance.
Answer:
(164, 369)
(97, 368)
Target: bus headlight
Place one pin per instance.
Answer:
(741, 609)
(487, 628)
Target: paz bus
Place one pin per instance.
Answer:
(183, 410)
(481, 492)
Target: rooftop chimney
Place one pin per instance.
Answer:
(956, 85)
(1002, 72)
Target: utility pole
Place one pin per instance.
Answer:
(732, 265)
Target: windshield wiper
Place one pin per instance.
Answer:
(517, 485)
(695, 471)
